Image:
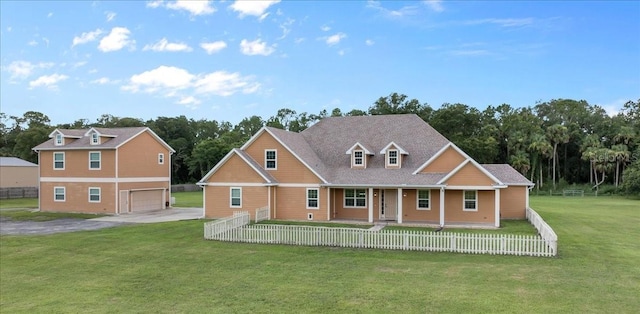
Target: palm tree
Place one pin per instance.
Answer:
(520, 162)
(590, 142)
(621, 155)
(540, 148)
(557, 134)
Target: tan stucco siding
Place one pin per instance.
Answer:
(77, 198)
(236, 170)
(410, 211)
(76, 164)
(139, 158)
(289, 168)
(339, 211)
(455, 214)
(218, 203)
(513, 202)
(18, 177)
(469, 175)
(446, 162)
(291, 204)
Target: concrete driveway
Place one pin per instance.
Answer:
(162, 215)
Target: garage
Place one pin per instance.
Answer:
(146, 200)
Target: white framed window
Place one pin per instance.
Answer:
(355, 198)
(59, 194)
(58, 160)
(392, 157)
(235, 197)
(59, 140)
(313, 198)
(160, 158)
(94, 160)
(94, 195)
(424, 200)
(358, 158)
(270, 159)
(95, 139)
(470, 201)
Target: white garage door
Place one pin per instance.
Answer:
(146, 200)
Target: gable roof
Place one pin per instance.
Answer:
(120, 137)
(402, 151)
(474, 164)
(356, 145)
(247, 159)
(15, 162)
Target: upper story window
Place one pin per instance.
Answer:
(470, 201)
(59, 140)
(358, 158)
(392, 157)
(94, 160)
(58, 161)
(161, 158)
(95, 139)
(270, 159)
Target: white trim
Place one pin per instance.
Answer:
(94, 130)
(363, 163)
(224, 160)
(298, 185)
(355, 198)
(97, 138)
(163, 143)
(442, 207)
(89, 194)
(275, 160)
(99, 160)
(418, 199)
(317, 198)
(231, 196)
(64, 194)
(399, 206)
(160, 158)
(63, 135)
(265, 129)
(363, 148)
(400, 149)
(390, 186)
(464, 201)
(370, 217)
(204, 201)
(497, 207)
(103, 180)
(387, 158)
(64, 162)
(234, 184)
(475, 164)
(328, 204)
(472, 187)
(59, 137)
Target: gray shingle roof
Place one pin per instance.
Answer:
(255, 165)
(506, 174)
(119, 136)
(15, 162)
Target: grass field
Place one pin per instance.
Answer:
(19, 203)
(168, 268)
(188, 199)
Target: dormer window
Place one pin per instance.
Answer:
(359, 155)
(392, 157)
(358, 158)
(95, 139)
(270, 159)
(59, 139)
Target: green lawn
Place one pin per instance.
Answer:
(19, 203)
(169, 268)
(188, 199)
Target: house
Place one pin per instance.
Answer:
(15, 172)
(104, 170)
(394, 168)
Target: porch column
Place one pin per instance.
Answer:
(497, 201)
(442, 207)
(370, 205)
(328, 203)
(269, 200)
(399, 212)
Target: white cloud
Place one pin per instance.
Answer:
(341, 52)
(79, 64)
(299, 40)
(369, 42)
(223, 83)
(32, 43)
(189, 102)
(335, 39)
(435, 5)
(101, 81)
(395, 14)
(511, 22)
(213, 47)
(116, 40)
(254, 7)
(325, 28)
(470, 52)
(110, 15)
(286, 28)
(48, 81)
(163, 77)
(86, 37)
(165, 45)
(50, 14)
(256, 47)
(195, 7)
(23, 69)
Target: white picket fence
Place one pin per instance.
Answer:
(262, 213)
(544, 230)
(472, 243)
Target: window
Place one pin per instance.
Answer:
(161, 158)
(355, 198)
(94, 195)
(312, 199)
(470, 201)
(59, 139)
(392, 157)
(58, 161)
(94, 160)
(270, 159)
(423, 199)
(358, 159)
(236, 197)
(58, 194)
(95, 139)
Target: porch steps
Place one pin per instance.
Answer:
(378, 226)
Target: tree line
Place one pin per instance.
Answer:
(561, 141)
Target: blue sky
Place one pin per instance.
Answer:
(227, 60)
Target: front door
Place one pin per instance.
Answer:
(388, 204)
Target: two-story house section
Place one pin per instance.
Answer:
(104, 170)
(394, 168)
